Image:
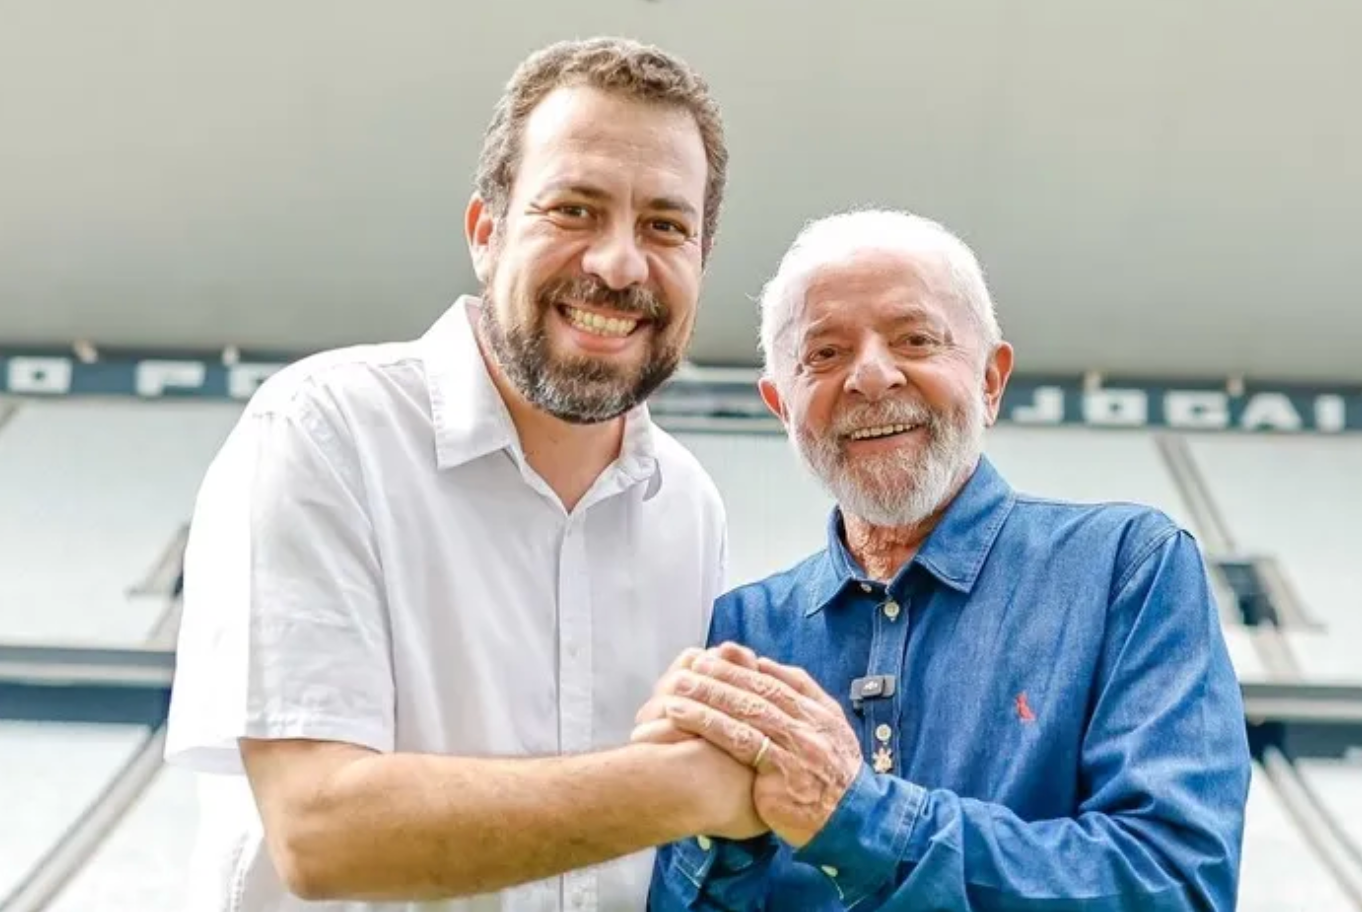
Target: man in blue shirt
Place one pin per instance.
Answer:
(972, 699)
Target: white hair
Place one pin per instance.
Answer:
(836, 238)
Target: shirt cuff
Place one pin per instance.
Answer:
(705, 857)
(864, 840)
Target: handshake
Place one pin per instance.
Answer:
(763, 747)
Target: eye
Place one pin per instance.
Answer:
(572, 211)
(669, 230)
(917, 340)
(821, 355)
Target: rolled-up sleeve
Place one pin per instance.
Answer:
(1165, 764)
(284, 631)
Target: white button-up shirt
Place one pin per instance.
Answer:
(372, 560)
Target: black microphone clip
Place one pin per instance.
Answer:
(874, 687)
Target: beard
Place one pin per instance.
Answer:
(897, 488)
(579, 390)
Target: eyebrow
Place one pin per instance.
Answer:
(586, 191)
(912, 315)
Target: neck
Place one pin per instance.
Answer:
(569, 457)
(882, 550)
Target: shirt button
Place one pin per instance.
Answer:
(829, 870)
(884, 732)
(891, 610)
(865, 587)
(704, 842)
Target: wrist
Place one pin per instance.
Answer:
(674, 791)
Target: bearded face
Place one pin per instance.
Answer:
(539, 345)
(894, 462)
(592, 261)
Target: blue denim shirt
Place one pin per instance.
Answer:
(1066, 730)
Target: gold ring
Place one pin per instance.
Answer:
(761, 751)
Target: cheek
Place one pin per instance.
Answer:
(527, 261)
(815, 408)
(941, 390)
(679, 282)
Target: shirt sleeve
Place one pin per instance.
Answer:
(712, 875)
(284, 632)
(1166, 771)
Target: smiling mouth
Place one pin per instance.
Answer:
(599, 324)
(884, 430)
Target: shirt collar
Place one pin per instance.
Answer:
(470, 417)
(955, 550)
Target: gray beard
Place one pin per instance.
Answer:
(899, 489)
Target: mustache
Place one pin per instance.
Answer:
(591, 290)
(895, 411)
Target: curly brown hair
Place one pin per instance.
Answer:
(617, 65)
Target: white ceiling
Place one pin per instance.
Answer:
(1161, 187)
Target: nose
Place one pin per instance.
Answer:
(875, 373)
(616, 259)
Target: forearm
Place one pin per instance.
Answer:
(894, 845)
(421, 827)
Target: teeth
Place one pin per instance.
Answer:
(882, 431)
(599, 325)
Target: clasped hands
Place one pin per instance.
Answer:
(735, 701)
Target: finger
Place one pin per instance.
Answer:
(651, 711)
(798, 680)
(736, 653)
(667, 683)
(659, 731)
(735, 737)
(685, 659)
(740, 704)
(768, 687)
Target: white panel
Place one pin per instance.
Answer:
(1280, 870)
(145, 861)
(92, 494)
(1326, 657)
(777, 513)
(1248, 664)
(1297, 497)
(49, 774)
(1338, 784)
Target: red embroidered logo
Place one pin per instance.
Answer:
(1024, 709)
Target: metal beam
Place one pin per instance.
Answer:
(1301, 702)
(86, 704)
(85, 684)
(134, 667)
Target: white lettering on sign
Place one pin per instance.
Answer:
(40, 375)
(244, 379)
(1125, 408)
(1331, 414)
(155, 377)
(1197, 409)
(1046, 407)
(1271, 410)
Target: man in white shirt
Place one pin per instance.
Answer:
(430, 583)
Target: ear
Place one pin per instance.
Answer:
(771, 396)
(479, 226)
(996, 374)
